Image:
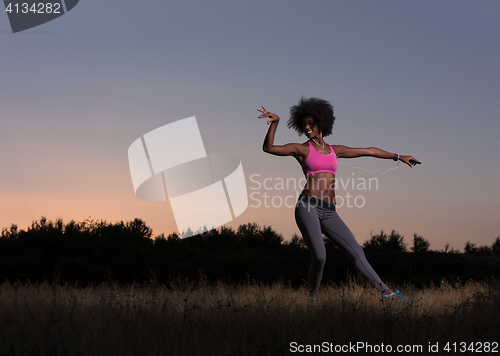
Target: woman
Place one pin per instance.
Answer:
(315, 210)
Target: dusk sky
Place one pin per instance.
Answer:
(415, 78)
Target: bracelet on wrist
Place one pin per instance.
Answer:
(396, 157)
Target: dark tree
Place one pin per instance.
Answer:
(252, 235)
(296, 242)
(484, 250)
(495, 248)
(394, 241)
(420, 244)
(470, 248)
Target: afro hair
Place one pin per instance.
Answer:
(320, 110)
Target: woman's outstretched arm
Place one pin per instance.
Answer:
(349, 152)
(290, 149)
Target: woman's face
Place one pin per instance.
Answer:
(310, 128)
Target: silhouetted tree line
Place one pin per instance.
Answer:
(472, 249)
(91, 252)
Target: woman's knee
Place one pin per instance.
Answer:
(319, 260)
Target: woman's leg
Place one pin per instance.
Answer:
(336, 230)
(308, 222)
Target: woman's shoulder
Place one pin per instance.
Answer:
(300, 147)
(337, 146)
(303, 144)
(338, 149)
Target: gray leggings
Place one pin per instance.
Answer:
(315, 216)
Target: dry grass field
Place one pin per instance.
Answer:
(202, 319)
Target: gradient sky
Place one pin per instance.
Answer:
(419, 78)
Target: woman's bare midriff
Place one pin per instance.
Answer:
(322, 186)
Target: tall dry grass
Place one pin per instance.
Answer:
(202, 319)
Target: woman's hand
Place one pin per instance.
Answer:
(265, 113)
(407, 159)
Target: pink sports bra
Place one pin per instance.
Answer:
(317, 162)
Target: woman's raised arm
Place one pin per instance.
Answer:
(290, 149)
